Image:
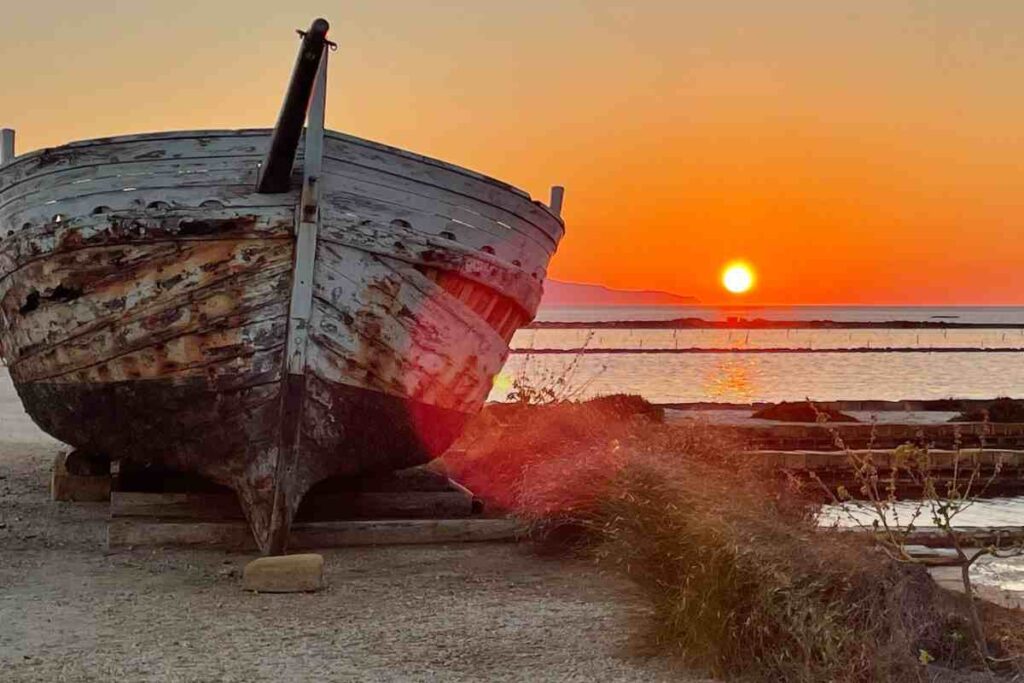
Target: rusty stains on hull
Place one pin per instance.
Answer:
(144, 307)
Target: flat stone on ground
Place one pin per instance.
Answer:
(284, 574)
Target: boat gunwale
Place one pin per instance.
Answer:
(548, 239)
(265, 132)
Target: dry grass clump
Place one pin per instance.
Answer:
(546, 460)
(741, 580)
(626, 406)
(743, 588)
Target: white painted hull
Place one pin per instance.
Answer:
(145, 292)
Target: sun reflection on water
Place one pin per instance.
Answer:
(730, 379)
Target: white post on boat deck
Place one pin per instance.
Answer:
(306, 221)
(557, 195)
(6, 145)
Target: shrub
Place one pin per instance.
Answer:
(741, 589)
(1000, 410)
(802, 411)
(741, 579)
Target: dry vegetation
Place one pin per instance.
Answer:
(742, 582)
(1000, 410)
(802, 411)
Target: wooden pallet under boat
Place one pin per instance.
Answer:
(156, 308)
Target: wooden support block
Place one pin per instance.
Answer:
(420, 479)
(316, 507)
(414, 506)
(68, 487)
(131, 533)
(284, 574)
(198, 506)
(476, 505)
(404, 532)
(438, 505)
(123, 533)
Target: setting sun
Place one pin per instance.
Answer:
(738, 277)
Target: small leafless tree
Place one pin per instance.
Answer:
(936, 487)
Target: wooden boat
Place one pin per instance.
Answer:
(339, 310)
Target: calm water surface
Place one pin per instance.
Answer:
(1009, 315)
(737, 372)
(746, 377)
(640, 339)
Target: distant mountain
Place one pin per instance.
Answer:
(576, 294)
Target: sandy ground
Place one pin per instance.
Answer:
(15, 425)
(70, 611)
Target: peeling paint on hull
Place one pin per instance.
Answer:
(144, 302)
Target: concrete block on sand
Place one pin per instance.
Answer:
(284, 574)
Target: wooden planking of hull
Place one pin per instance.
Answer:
(146, 288)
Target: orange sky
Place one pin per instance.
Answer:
(854, 152)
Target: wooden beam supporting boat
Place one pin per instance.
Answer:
(411, 506)
(72, 484)
(324, 506)
(124, 533)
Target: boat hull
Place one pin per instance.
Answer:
(145, 294)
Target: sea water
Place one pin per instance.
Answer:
(739, 366)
